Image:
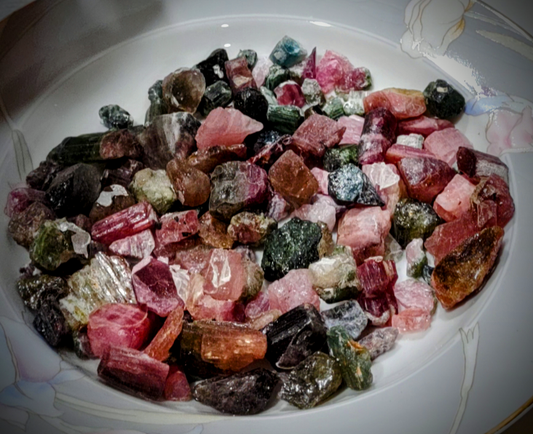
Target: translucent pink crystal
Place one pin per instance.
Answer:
(386, 179)
(414, 254)
(403, 103)
(290, 93)
(294, 289)
(261, 70)
(118, 325)
(322, 178)
(411, 320)
(445, 143)
(316, 134)
(263, 319)
(225, 275)
(495, 189)
(309, 68)
(177, 387)
(334, 71)
(154, 286)
(317, 212)
(258, 306)
(19, 199)
(194, 260)
(423, 125)
(377, 276)
(239, 75)
(136, 246)
(454, 200)
(378, 134)
(354, 128)
(325, 199)
(225, 126)
(397, 152)
(364, 230)
(414, 294)
(177, 226)
(122, 224)
(278, 207)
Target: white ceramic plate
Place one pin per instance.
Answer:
(61, 61)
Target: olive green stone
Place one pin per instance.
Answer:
(335, 158)
(40, 289)
(51, 246)
(413, 219)
(154, 187)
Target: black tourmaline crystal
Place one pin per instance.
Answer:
(294, 336)
(252, 103)
(41, 177)
(115, 117)
(442, 100)
(243, 393)
(349, 184)
(213, 68)
(51, 324)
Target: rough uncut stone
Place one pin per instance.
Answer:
(278, 208)
(317, 212)
(123, 174)
(495, 189)
(425, 178)
(216, 95)
(154, 187)
(416, 258)
(224, 127)
(269, 153)
(24, 225)
(316, 134)
(413, 294)
(192, 186)
(261, 70)
(265, 138)
(413, 219)
(290, 177)
(214, 232)
(377, 276)
(40, 289)
(276, 75)
(293, 246)
(177, 226)
(213, 68)
(398, 152)
(312, 381)
(312, 92)
(82, 346)
(239, 74)
(379, 341)
(292, 290)
(207, 159)
(463, 270)
(154, 287)
(335, 72)
(19, 199)
(122, 224)
(386, 180)
(250, 228)
(423, 125)
(136, 246)
(183, 90)
(41, 177)
(294, 336)
(74, 190)
(134, 372)
(364, 231)
(322, 179)
(290, 93)
(334, 277)
(250, 56)
(252, 103)
(193, 260)
(349, 184)
(413, 140)
(237, 186)
(348, 315)
(258, 306)
(403, 103)
(454, 200)
(335, 158)
(225, 275)
(354, 128)
(114, 116)
(287, 52)
(181, 278)
(445, 143)
(50, 323)
(393, 250)
(244, 393)
(379, 309)
(118, 325)
(169, 136)
(354, 103)
(157, 105)
(353, 359)
(443, 100)
(112, 199)
(177, 387)
(284, 118)
(377, 135)
(411, 320)
(476, 164)
(334, 108)
(107, 279)
(159, 347)
(254, 279)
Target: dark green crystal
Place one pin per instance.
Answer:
(335, 158)
(442, 100)
(251, 57)
(216, 95)
(353, 358)
(334, 108)
(350, 185)
(115, 117)
(413, 219)
(39, 289)
(276, 76)
(284, 118)
(79, 149)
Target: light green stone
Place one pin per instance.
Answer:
(334, 108)
(269, 95)
(312, 92)
(353, 103)
(154, 187)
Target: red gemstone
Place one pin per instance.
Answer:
(177, 387)
(177, 226)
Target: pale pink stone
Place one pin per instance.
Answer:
(386, 179)
(261, 70)
(258, 306)
(225, 275)
(454, 200)
(224, 127)
(445, 143)
(181, 280)
(354, 128)
(423, 125)
(263, 319)
(364, 231)
(317, 212)
(137, 246)
(176, 226)
(508, 129)
(402, 103)
(325, 199)
(118, 325)
(414, 253)
(293, 290)
(414, 294)
(411, 320)
(322, 178)
(316, 134)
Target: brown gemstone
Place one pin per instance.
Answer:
(191, 185)
(209, 158)
(214, 232)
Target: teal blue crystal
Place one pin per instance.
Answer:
(287, 52)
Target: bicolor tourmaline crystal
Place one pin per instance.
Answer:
(403, 103)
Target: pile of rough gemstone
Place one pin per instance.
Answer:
(142, 239)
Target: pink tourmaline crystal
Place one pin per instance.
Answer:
(261, 70)
(325, 199)
(309, 67)
(378, 134)
(411, 320)
(423, 125)
(334, 71)
(354, 128)
(316, 134)
(154, 286)
(225, 275)
(292, 290)
(278, 208)
(397, 152)
(19, 199)
(225, 126)
(364, 231)
(177, 387)
(136, 246)
(317, 212)
(386, 179)
(194, 260)
(445, 143)
(239, 75)
(425, 178)
(414, 294)
(122, 224)
(377, 276)
(263, 319)
(322, 178)
(258, 306)
(403, 103)
(160, 345)
(496, 189)
(118, 325)
(177, 226)
(476, 164)
(290, 93)
(454, 199)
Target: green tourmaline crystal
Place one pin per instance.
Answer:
(276, 76)
(251, 57)
(354, 359)
(40, 289)
(284, 118)
(413, 219)
(216, 95)
(154, 187)
(335, 158)
(312, 92)
(334, 108)
(269, 95)
(312, 381)
(353, 103)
